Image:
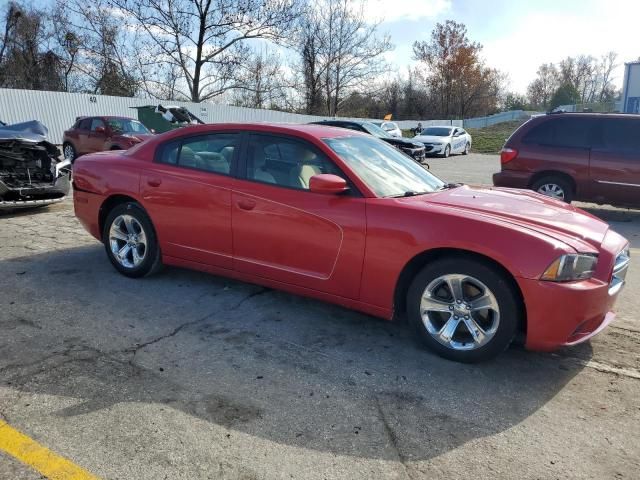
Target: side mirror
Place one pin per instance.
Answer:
(99, 130)
(153, 130)
(328, 184)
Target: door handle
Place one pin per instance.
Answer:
(246, 204)
(154, 182)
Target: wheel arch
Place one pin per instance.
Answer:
(415, 264)
(113, 201)
(554, 173)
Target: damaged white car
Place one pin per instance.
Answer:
(32, 173)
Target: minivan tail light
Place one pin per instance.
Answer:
(508, 154)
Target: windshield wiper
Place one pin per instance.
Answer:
(448, 186)
(409, 193)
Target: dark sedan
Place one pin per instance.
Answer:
(415, 150)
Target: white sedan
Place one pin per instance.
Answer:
(391, 128)
(444, 141)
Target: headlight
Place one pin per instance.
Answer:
(571, 267)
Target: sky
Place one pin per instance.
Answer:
(518, 35)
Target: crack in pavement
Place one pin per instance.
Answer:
(393, 439)
(190, 323)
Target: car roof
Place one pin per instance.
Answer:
(301, 130)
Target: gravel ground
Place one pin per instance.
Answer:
(190, 376)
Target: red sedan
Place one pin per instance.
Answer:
(344, 217)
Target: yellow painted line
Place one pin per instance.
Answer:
(40, 458)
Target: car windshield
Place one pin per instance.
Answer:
(126, 125)
(436, 131)
(375, 130)
(386, 170)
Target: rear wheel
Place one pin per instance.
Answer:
(463, 309)
(130, 241)
(554, 186)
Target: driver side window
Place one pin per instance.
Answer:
(285, 162)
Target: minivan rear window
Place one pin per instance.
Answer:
(562, 132)
(621, 134)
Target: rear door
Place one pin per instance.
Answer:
(81, 139)
(187, 192)
(283, 231)
(615, 161)
(96, 139)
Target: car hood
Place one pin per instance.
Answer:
(403, 142)
(528, 209)
(430, 139)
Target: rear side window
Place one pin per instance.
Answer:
(95, 123)
(211, 153)
(84, 124)
(562, 132)
(621, 134)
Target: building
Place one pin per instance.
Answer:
(631, 88)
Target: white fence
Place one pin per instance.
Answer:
(58, 111)
(502, 117)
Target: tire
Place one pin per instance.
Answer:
(478, 280)
(68, 151)
(116, 147)
(554, 183)
(447, 151)
(122, 221)
(467, 147)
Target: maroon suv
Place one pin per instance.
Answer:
(95, 134)
(576, 156)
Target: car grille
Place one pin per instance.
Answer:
(620, 268)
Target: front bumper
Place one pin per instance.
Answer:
(435, 149)
(415, 153)
(565, 314)
(38, 195)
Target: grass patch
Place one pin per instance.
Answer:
(491, 139)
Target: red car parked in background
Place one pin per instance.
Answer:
(96, 134)
(592, 157)
(344, 217)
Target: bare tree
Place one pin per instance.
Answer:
(205, 39)
(262, 82)
(97, 46)
(543, 87)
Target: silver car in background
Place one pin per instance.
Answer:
(445, 140)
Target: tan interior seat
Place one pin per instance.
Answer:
(257, 171)
(301, 174)
(187, 157)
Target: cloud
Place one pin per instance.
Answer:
(404, 10)
(550, 36)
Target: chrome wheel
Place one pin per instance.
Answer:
(552, 190)
(459, 311)
(467, 147)
(127, 241)
(68, 152)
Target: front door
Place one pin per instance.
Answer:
(284, 232)
(187, 192)
(615, 162)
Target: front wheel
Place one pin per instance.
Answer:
(447, 151)
(467, 148)
(463, 309)
(130, 241)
